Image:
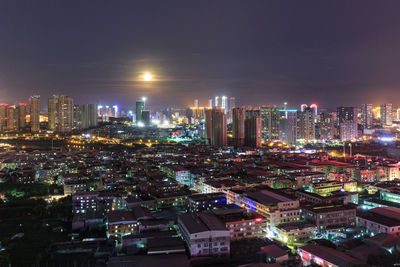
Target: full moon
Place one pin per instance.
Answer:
(147, 76)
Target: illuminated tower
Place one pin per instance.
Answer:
(315, 107)
(270, 117)
(386, 114)
(11, 118)
(21, 116)
(347, 119)
(306, 124)
(232, 102)
(238, 117)
(303, 107)
(3, 116)
(196, 103)
(140, 104)
(52, 112)
(366, 116)
(65, 113)
(217, 102)
(34, 110)
(224, 104)
(288, 126)
(327, 126)
(210, 103)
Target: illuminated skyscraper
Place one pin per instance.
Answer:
(238, 117)
(386, 114)
(34, 110)
(253, 132)
(315, 107)
(303, 107)
(65, 111)
(347, 119)
(210, 103)
(3, 116)
(21, 114)
(196, 103)
(270, 117)
(52, 112)
(61, 114)
(11, 118)
(232, 102)
(140, 104)
(306, 124)
(366, 116)
(327, 126)
(217, 102)
(216, 127)
(288, 126)
(224, 104)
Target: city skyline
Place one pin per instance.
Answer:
(267, 53)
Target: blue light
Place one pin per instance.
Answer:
(386, 139)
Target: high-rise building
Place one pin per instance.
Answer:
(327, 126)
(216, 127)
(21, 114)
(52, 112)
(366, 116)
(92, 115)
(65, 111)
(253, 131)
(306, 124)
(288, 126)
(303, 107)
(146, 117)
(34, 111)
(270, 117)
(61, 113)
(217, 102)
(79, 118)
(232, 102)
(208, 125)
(224, 104)
(11, 118)
(386, 114)
(140, 104)
(3, 117)
(238, 127)
(347, 119)
(196, 103)
(210, 103)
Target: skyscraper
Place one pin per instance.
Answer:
(270, 117)
(327, 126)
(196, 103)
(21, 116)
(366, 116)
(140, 103)
(65, 113)
(52, 112)
(288, 126)
(216, 127)
(11, 118)
(3, 117)
(347, 119)
(386, 114)
(92, 115)
(208, 125)
(232, 102)
(224, 104)
(146, 117)
(34, 110)
(253, 132)
(238, 127)
(61, 113)
(306, 124)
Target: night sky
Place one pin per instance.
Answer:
(262, 52)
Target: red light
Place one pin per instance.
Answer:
(258, 219)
